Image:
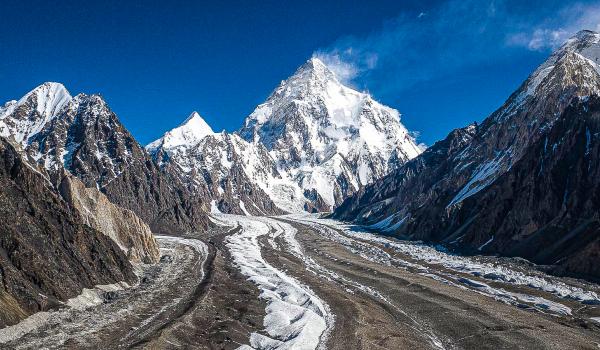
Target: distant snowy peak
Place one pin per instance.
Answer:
(234, 173)
(315, 104)
(189, 133)
(326, 137)
(26, 117)
(583, 47)
(313, 84)
(48, 98)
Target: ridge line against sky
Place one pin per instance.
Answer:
(441, 64)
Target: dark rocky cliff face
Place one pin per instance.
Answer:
(547, 207)
(90, 141)
(514, 185)
(47, 253)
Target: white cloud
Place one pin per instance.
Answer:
(348, 63)
(421, 46)
(345, 71)
(414, 46)
(554, 31)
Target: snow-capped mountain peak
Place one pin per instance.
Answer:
(188, 133)
(329, 138)
(332, 108)
(197, 123)
(310, 145)
(26, 117)
(48, 98)
(312, 82)
(315, 63)
(317, 68)
(583, 46)
(586, 43)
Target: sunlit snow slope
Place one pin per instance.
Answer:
(313, 143)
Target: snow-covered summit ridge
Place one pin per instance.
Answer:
(571, 71)
(584, 46)
(26, 117)
(312, 83)
(586, 43)
(313, 96)
(48, 98)
(188, 133)
(326, 136)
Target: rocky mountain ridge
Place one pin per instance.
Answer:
(490, 188)
(71, 236)
(48, 253)
(82, 135)
(310, 145)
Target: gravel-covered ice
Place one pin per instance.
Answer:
(296, 317)
(423, 255)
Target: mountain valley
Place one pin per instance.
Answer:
(320, 223)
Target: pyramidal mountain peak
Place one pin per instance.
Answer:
(24, 118)
(312, 143)
(313, 78)
(315, 68)
(50, 93)
(193, 129)
(196, 124)
(48, 99)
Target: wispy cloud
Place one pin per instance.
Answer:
(346, 71)
(421, 46)
(553, 31)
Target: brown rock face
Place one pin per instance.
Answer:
(88, 140)
(47, 252)
(546, 208)
(130, 233)
(523, 183)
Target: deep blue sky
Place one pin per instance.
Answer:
(442, 64)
